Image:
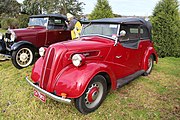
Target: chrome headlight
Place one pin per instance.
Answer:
(13, 36)
(42, 51)
(1, 36)
(78, 60)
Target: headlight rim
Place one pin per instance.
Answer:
(42, 51)
(81, 59)
(12, 39)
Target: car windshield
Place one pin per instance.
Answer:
(109, 30)
(38, 22)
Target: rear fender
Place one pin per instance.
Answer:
(74, 80)
(150, 51)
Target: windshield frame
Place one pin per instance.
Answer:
(84, 26)
(46, 24)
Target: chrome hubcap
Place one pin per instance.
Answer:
(23, 57)
(94, 95)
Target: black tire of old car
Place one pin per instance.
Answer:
(93, 96)
(150, 65)
(23, 56)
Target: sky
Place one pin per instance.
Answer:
(123, 7)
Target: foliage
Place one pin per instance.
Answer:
(117, 15)
(71, 6)
(9, 7)
(166, 28)
(23, 20)
(101, 10)
(33, 7)
(2, 31)
(9, 23)
(153, 97)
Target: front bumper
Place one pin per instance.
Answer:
(54, 97)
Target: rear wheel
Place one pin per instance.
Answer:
(150, 65)
(93, 96)
(23, 56)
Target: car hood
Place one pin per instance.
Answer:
(88, 43)
(93, 48)
(28, 31)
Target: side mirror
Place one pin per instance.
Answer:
(122, 33)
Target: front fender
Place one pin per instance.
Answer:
(74, 80)
(37, 70)
(16, 45)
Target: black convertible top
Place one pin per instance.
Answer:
(49, 15)
(122, 21)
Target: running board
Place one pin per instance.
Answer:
(123, 81)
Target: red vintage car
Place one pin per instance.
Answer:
(20, 45)
(110, 53)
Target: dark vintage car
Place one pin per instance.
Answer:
(20, 45)
(110, 53)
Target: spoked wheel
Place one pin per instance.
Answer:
(150, 65)
(23, 57)
(93, 96)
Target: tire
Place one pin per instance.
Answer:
(23, 56)
(93, 96)
(150, 65)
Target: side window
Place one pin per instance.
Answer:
(132, 32)
(144, 34)
(56, 23)
(59, 23)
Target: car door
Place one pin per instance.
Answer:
(57, 31)
(128, 53)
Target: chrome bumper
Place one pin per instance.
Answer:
(54, 97)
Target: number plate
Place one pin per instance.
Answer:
(40, 96)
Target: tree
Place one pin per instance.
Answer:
(53, 6)
(166, 28)
(101, 10)
(9, 23)
(71, 6)
(10, 8)
(32, 7)
(23, 20)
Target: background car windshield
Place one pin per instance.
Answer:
(102, 29)
(38, 21)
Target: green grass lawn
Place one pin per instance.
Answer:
(156, 96)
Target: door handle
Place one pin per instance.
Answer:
(118, 57)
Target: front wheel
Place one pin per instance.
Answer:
(23, 56)
(93, 96)
(150, 65)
